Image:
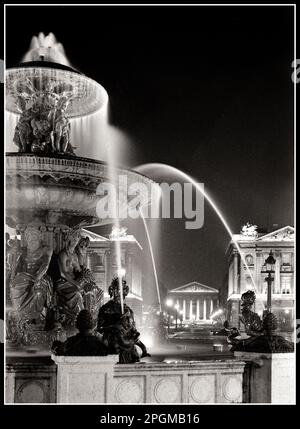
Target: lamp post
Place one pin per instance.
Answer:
(169, 304)
(181, 317)
(269, 263)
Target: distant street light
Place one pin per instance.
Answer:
(169, 302)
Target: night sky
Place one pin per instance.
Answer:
(205, 89)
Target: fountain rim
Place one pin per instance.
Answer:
(80, 159)
(45, 65)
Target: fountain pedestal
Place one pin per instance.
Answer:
(269, 377)
(85, 379)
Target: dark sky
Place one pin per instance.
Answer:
(205, 89)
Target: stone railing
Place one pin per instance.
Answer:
(249, 378)
(100, 380)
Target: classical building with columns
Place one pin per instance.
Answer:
(255, 248)
(101, 259)
(196, 301)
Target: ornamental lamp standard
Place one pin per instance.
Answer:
(169, 304)
(269, 264)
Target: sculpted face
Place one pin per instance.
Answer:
(83, 243)
(33, 240)
(72, 242)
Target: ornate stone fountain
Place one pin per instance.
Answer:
(50, 195)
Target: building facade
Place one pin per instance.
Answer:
(196, 302)
(101, 259)
(251, 275)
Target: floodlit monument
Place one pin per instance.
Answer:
(51, 194)
(55, 300)
(255, 247)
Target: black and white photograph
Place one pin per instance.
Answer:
(149, 207)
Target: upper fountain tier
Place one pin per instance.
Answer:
(46, 182)
(47, 69)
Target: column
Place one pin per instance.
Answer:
(235, 272)
(184, 309)
(211, 306)
(258, 265)
(198, 310)
(191, 309)
(204, 309)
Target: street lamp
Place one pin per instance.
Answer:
(181, 317)
(269, 264)
(169, 304)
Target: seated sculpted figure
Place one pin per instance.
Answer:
(75, 286)
(119, 330)
(30, 287)
(67, 289)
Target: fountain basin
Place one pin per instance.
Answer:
(88, 96)
(62, 189)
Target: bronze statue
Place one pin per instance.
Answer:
(251, 320)
(23, 132)
(67, 288)
(85, 343)
(60, 135)
(91, 293)
(268, 341)
(43, 126)
(119, 330)
(30, 286)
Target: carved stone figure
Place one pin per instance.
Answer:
(119, 330)
(31, 287)
(85, 343)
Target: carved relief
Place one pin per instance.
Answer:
(202, 389)
(232, 388)
(133, 386)
(167, 390)
(32, 391)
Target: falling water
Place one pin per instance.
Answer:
(152, 258)
(210, 201)
(112, 171)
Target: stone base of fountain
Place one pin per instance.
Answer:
(98, 380)
(269, 377)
